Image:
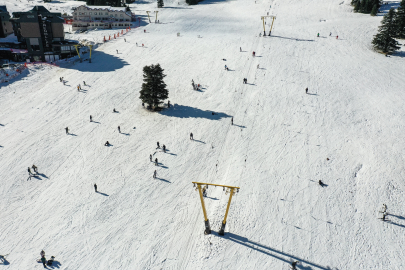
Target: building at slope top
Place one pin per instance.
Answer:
(102, 17)
(6, 28)
(42, 33)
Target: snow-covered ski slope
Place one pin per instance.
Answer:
(348, 132)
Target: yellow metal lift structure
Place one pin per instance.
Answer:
(148, 16)
(264, 28)
(231, 190)
(78, 53)
(156, 16)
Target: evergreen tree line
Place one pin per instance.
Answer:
(192, 2)
(392, 27)
(367, 6)
(113, 3)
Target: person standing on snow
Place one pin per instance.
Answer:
(164, 148)
(154, 174)
(318, 35)
(232, 121)
(91, 118)
(306, 90)
(117, 51)
(67, 130)
(43, 260)
(95, 187)
(119, 129)
(150, 158)
(35, 168)
(158, 145)
(191, 136)
(156, 162)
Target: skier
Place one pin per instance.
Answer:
(164, 148)
(60, 79)
(125, 39)
(142, 44)
(64, 82)
(42, 253)
(204, 191)
(143, 104)
(260, 34)
(337, 37)
(321, 183)
(158, 145)
(232, 121)
(156, 162)
(254, 54)
(119, 129)
(107, 143)
(91, 118)
(84, 83)
(330, 33)
(150, 158)
(67, 130)
(258, 66)
(293, 265)
(114, 110)
(226, 67)
(384, 215)
(144, 30)
(240, 48)
(137, 44)
(318, 34)
(306, 90)
(78, 89)
(95, 187)
(117, 51)
(168, 104)
(191, 136)
(43, 260)
(154, 174)
(35, 168)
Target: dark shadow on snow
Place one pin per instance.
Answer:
(399, 217)
(100, 62)
(385, 8)
(215, 199)
(399, 54)
(199, 141)
(312, 94)
(96, 122)
(101, 193)
(71, 134)
(42, 175)
(296, 39)
(272, 252)
(126, 134)
(183, 111)
(238, 126)
(161, 179)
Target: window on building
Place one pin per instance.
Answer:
(90, 13)
(121, 15)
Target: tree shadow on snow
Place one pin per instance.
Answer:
(272, 252)
(399, 54)
(100, 62)
(385, 8)
(209, 2)
(183, 111)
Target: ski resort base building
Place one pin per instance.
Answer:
(102, 17)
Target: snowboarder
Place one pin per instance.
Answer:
(232, 121)
(67, 130)
(164, 148)
(95, 187)
(191, 136)
(35, 168)
(114, 110)
(321, 183)
(119, 129)
(150, 158)
(306, 90)
(50, 262)
(156, 162)
(154, 174)
(107, 143)
(318, 35)
(43, 260)
(158, 145)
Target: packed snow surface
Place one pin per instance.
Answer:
(348, 131)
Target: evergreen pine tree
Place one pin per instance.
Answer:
(357, 6)
(160, 3)
(400, 20)
(153, 89)
(374, 11)
(384, 41)
(192, 2)
(363, 6)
